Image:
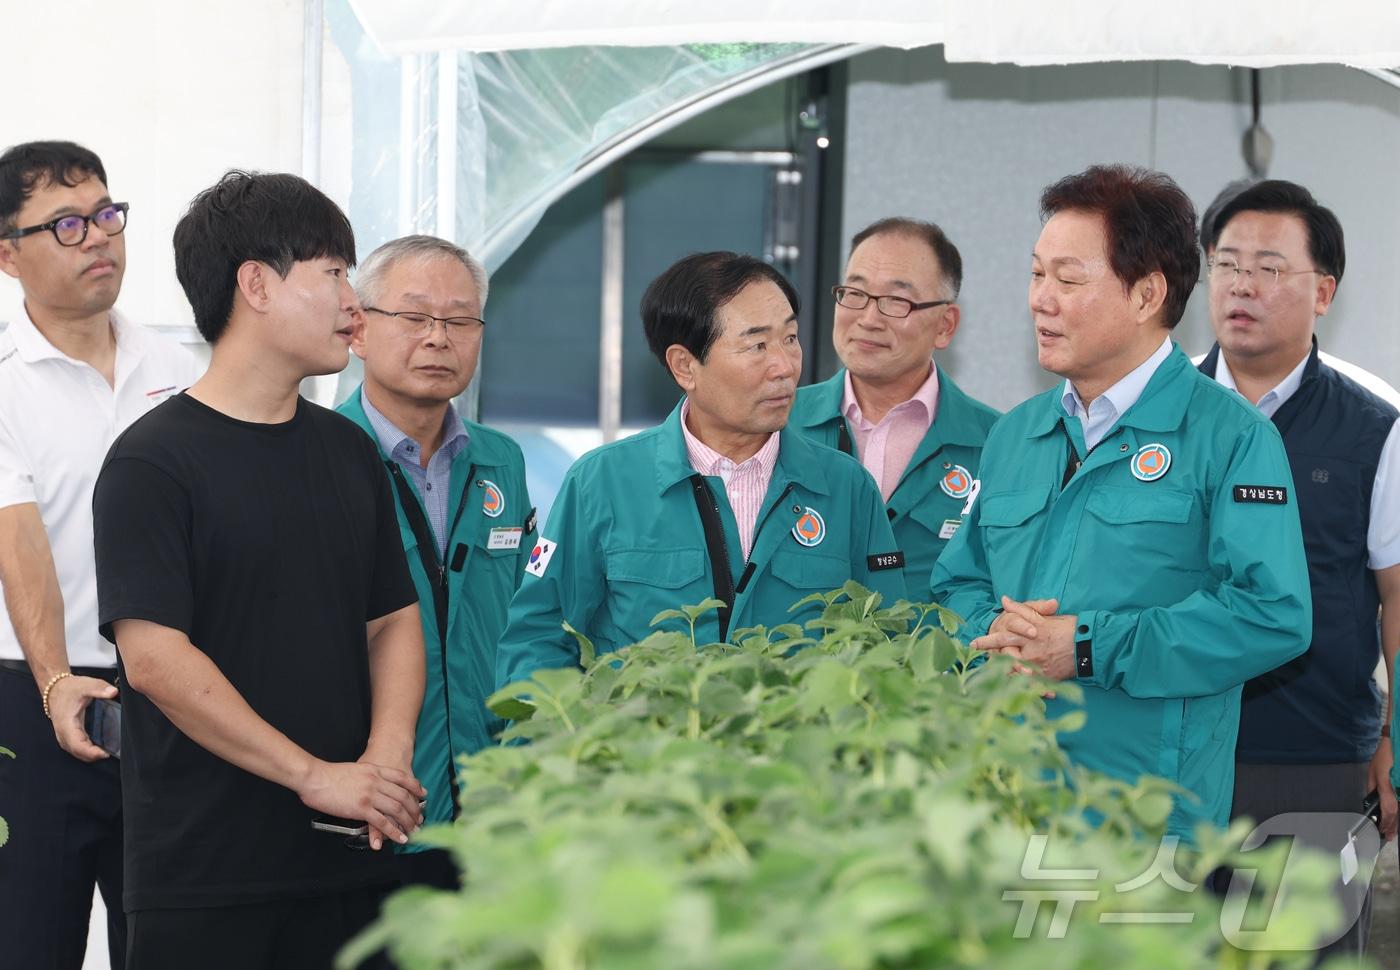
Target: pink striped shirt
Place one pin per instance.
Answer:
(744, 484)
(885, 448)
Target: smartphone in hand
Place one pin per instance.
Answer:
(351, 827)
(103, 723)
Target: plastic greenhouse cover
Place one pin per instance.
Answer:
(410, 26)
(1362, 33)
(529, 119)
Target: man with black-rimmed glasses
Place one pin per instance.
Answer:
(73, 374)
(891, 406)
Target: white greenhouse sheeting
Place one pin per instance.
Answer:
(1246, 33)
(412, 26)
(1252, 33)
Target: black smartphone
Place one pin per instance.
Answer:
(340, 826)
(103, 723)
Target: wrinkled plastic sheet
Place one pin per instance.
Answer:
(529, 118)
(412, 26)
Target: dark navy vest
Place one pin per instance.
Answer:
(1323, 707)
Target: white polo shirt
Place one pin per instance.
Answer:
(58, 417)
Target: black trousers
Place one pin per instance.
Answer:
(287, 934)
(65, 819)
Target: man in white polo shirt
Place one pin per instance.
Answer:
(73, 375)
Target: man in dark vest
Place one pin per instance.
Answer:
(1312, 737)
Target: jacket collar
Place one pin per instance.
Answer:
(1161, 407)
(482, 449)
(1211, 362)
(954, 424)
(799, 460)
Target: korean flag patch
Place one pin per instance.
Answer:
(540, 556)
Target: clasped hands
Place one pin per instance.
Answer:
(1035, 635)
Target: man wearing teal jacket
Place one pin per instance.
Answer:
(717, 501)
(913, 429)
(1135, 529)
(459, 491)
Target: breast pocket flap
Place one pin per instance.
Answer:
(1011, 508)
(662, 568)
(810, 570)
(1124, 506)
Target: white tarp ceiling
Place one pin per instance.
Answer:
(1254, 33)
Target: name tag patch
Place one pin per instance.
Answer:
(1262, 494)
(885, 560)
(949, 527)
(504, 538)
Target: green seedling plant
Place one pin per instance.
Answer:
(859, 793)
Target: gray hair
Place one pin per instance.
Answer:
(370, 278)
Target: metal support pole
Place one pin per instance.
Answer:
(610, 329)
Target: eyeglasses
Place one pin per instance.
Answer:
(72, 230)
(1225, 272)
(421, 324)
(891, 306)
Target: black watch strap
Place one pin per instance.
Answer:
(1084, 659)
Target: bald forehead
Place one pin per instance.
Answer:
(898, 260)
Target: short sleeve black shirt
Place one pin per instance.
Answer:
(270, 547)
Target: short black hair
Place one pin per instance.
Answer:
(26, 167)
(1149, 225)
(681, 306)
(270, 218)
(1211, 215)
(1326, 243)
(949, 259)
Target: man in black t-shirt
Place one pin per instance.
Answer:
(251, 574)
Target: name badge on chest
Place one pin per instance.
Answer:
(504, 538)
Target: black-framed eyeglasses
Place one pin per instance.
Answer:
(72, 230)
(891, 306)
(421, 324)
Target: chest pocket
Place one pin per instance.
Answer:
(1130, 506)
(643, 582)
(662, 568)
(1009, 532)
(935, 509)
(809, 572)
(1006, 510)
(1147, 538)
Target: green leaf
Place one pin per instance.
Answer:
(945, 650)
(1153, 808)
(822, 598)
(922, 661)
(702, 607)
(586, 652)
(4, 831)
(854, 590)
(667, 615)
(511, 702)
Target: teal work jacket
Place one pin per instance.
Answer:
(625, 540)
(478, 581)
(926, 506)
(1177, 544)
